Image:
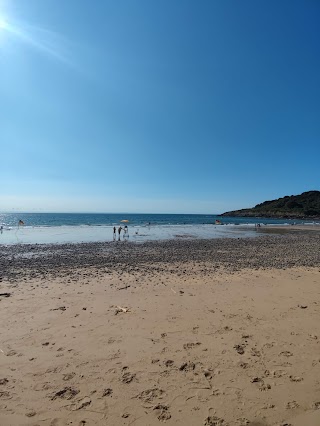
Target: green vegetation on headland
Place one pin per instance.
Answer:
(303, 206)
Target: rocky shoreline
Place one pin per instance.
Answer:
(268, 251)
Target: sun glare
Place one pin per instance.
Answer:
(3, 24)
(44, 41)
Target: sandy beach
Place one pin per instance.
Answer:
(183, 332)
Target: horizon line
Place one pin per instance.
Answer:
(84, 212)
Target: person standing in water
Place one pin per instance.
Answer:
(119, 232)
(114, 233)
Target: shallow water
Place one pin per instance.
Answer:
(76, 234)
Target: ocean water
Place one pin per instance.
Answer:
(81, 227)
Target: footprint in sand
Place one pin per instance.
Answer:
(214, 421)
(243, 421)
(65, 393)
(255, 352)
(5, 395)
(84, 402)
(191, 345)
(278, 373)
(187, 366)
(150, 394)
(68, 376)
(262, 385)
(295, 379)
(239, 349)
(291, 405)
(244, 365)
(163, 413)
(127, 377)
(107, 392)
(286, 353)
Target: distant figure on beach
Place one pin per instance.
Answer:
(114, 233)
(21, 222)
(126, 231)
(119, 232)
(1, 229)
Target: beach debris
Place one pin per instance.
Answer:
(302, 306)
(124, 288)
(121, 309)
(5, 294)
(4, 381)
(316, 405)
(239, 349)
(31, 414)
(173, 291)
(45, 343)
(169, 363)
(65, 393)
(125, 415)
(61, 308)
(107, 392)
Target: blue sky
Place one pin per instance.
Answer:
(157, 106)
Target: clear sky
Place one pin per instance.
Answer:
(157, 106)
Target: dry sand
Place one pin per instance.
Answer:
(182, 342)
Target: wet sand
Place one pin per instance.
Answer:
(187, 332)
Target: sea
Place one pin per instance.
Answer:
(59, 228)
